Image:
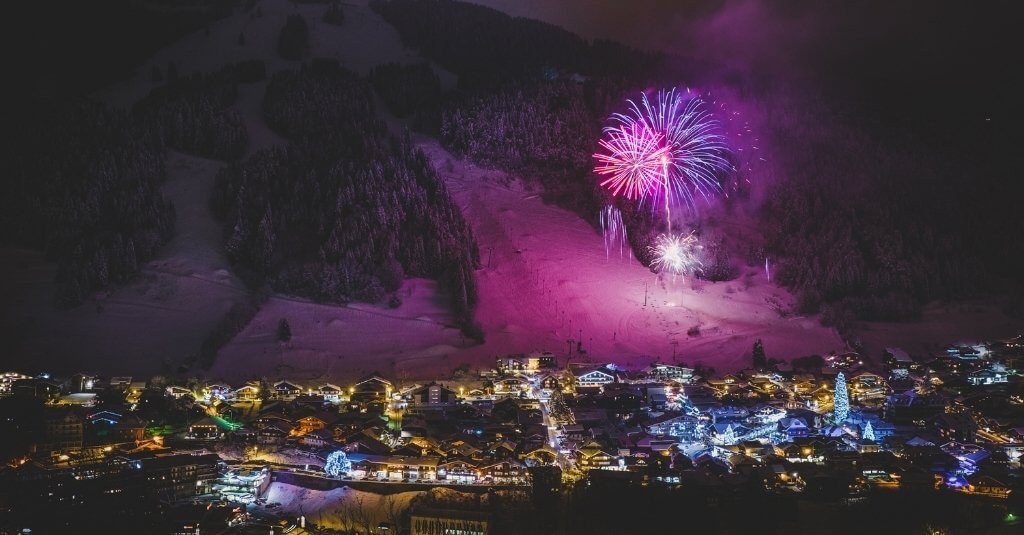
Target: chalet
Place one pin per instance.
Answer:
(764, 413)
(464, 448)
(544, 455)
(804, 386)
(316, 421)
(521, 362)
(725, 385)
(667, 372)
(550, 382)
(457, 470)
(286, 390)
(372, 388)
(219, 391)
(432, 395)
(205, 429)
(508, 471)
(317, 439)
(575, 432)
(515, 362)
(662, 424)
(396, 467)
(511, 386)
(330, 393)
(410, 449)
(248, 392)
(964, 352)
(728, 433)
(529, 416)
(955, 426)
(272, 418)
(585, 377)
(743, 464)
(794, 427)
(867, 384)
(883, 429)
(544, 360)
(764, 385)
(800, 452)
(274, 434)
(178, 392)
(365, 442)
(987, 376)
(535, 435)
(822, 395)
(592, 455)
(987, 486)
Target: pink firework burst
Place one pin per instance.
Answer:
(635, 160)
(669, 146)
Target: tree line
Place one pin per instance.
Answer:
(346, 211)
(191, 115)
(83, 186)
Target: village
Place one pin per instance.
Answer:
(836, 425)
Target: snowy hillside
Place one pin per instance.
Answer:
(545, 278)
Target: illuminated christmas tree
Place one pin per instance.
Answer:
(337, 464)
(841, 401)
(869, 432)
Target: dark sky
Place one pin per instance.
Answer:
(920, 52)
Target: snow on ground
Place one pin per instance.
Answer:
(346, 342)
(545, 280)
(550, 281)
(364, 41)
(328, 508)
(145, 327)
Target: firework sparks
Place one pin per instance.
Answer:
(634, 160)
(614, 231)
(671, 147)
(675, 254)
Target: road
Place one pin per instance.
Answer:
(561, 460)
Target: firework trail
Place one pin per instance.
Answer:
(675, 254)
(671, 147)
(614, 231)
